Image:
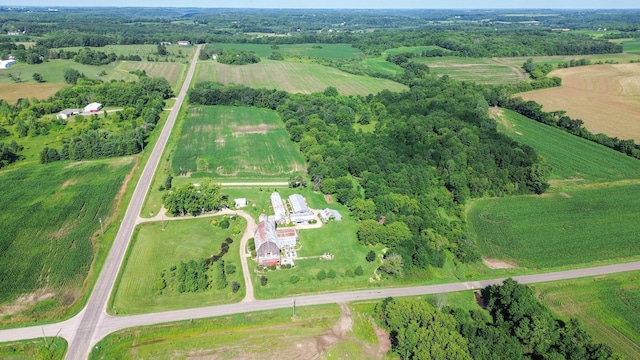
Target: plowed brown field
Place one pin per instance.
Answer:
(605, 97)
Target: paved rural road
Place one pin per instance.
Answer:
(92, 324)
(94, 313)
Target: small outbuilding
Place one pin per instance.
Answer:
(328, 214)
(5, 64)
(67, 113)
(184, 42)
(93, 107)
(240, 202)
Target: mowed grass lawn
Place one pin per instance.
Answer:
(51, 227)
(293, 77)
(327, 51)
(154, 250)
(235, 142)
(607, 306)
(478, 70)
(243, 336)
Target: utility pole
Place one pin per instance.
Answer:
(294, 307)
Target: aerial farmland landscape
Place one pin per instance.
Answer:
(320, 180)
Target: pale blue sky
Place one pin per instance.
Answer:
(350, 4)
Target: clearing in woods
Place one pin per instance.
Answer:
(478, 70)
(605, 97)
(227, 141)
(294, 77)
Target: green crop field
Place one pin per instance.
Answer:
(173, 72)
(587, 216)
(230, 337)
(607, 306)
(579, 160)
(327, 51)
(56, 228)
(478, 70)
(557, 59)
(573, 227)
(45, 348)
(154, 250)
(232, 142)
(294, 77)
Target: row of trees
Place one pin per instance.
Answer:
(516, 326)
(236, 57)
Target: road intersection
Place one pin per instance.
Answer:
(93, 323)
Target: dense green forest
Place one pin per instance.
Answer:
(515, 325)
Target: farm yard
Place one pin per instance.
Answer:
(56, 228)
(593, 94)
(607, 306)
(294, 77)
(156, 247)
(587, 216)
(235, 142)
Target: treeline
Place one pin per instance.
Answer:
(236, 57)
(433, 148)
(559, 119)
(514, 326)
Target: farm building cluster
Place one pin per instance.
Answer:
(67, 113)
(275, 244)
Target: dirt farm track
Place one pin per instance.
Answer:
(605, 97)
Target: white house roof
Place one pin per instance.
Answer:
(278, 206)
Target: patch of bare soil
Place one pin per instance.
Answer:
(384, 341)
(252, 129)
(25, 301)
(69, 183)
(328, 198)
(497, 264)
(73, 164)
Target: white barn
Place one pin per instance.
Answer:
(93, 107)
(300, 212)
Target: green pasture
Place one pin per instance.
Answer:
(327, 51)
(293, 77)
(227, 142)
(622, 58)
(52, 219)
(572, 158)
(607, 306)
(381, 65)
(478, 70)
(159, 245)
(52, 71)
(44, 348)
(632, 46)
(578, 226)
(228, 337)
